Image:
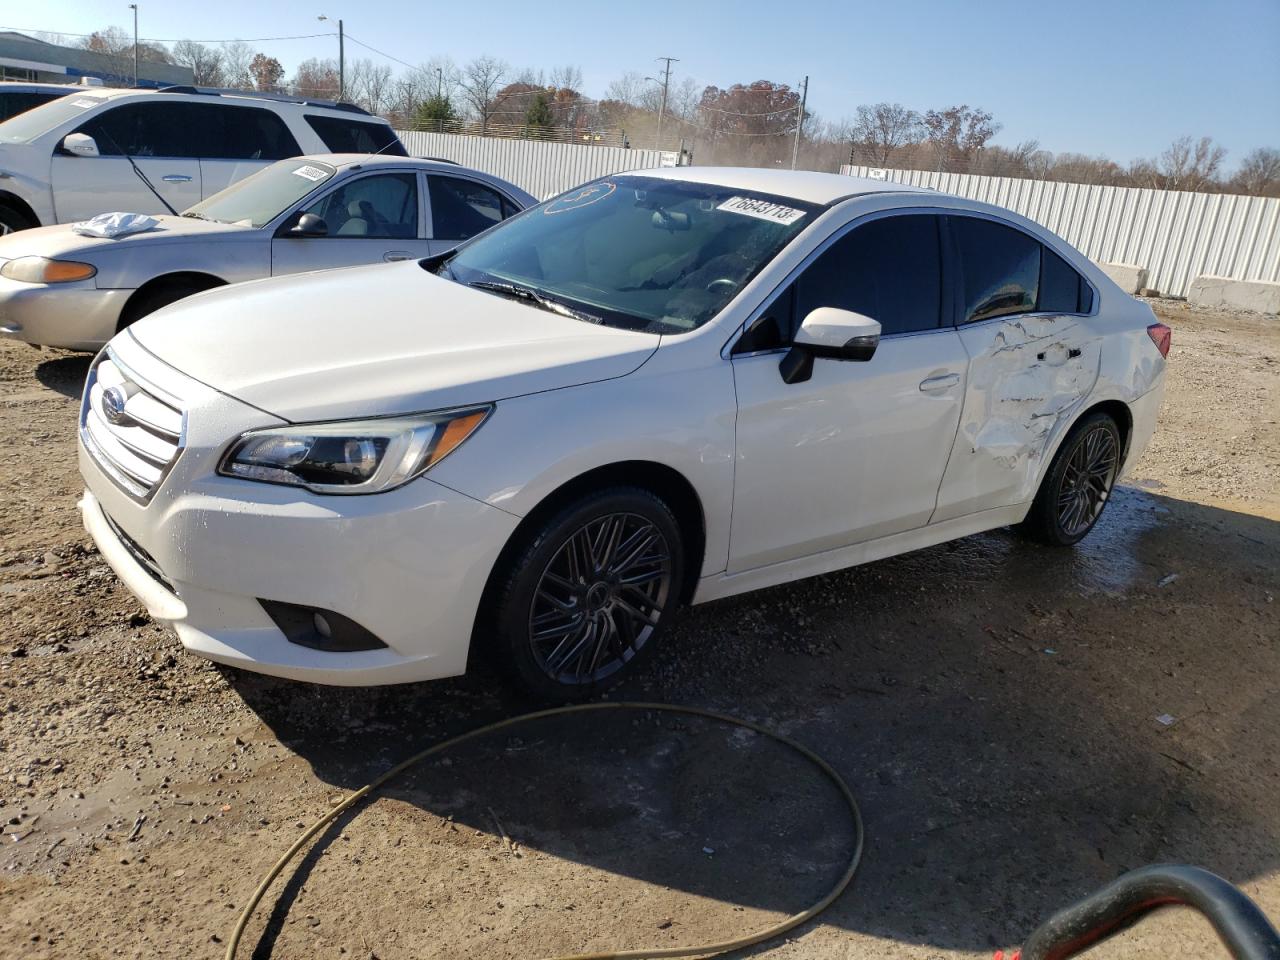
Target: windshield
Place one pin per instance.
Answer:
(25, 127)
(257, 200)
(643, 253)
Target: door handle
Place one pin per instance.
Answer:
(391, 256)
(944, 382)
(176, 178)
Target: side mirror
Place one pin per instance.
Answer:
(832, 333)
(309, 225)
(80, 145)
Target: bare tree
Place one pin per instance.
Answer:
(481, 79)
(882, 128)
(1190, 164)
(1259, 173)
(236, 57)
(205, 62)
(959, 133)
(369, 85)
(564, 77)
(316, 77)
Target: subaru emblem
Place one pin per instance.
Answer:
(113, 401)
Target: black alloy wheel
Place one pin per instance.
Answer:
(585, 599)
(1078, 484)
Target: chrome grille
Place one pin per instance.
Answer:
(131, 428)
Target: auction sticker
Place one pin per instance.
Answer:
(310, 173)
(762, 210)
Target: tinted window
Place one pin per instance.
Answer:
(888, 269)
(1059, 285)
(152, 129)
(462, 208)
(382, 206)
(250, 133)
(1001, 268)
(355, 136)
(12, 104)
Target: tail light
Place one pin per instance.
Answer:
(1161, 336)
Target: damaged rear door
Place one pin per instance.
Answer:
(1033, 358)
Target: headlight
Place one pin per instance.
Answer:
(351, 456)
(44, 270)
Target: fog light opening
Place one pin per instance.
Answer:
(320, 629)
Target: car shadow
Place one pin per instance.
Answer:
(1020, 725)
(65, 373)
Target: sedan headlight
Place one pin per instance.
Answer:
(352, 456)
(44, 270)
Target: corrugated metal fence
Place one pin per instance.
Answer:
(544, 169)
(1176, 235)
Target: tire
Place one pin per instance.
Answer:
(11, 221)
(159, 295)
(1078, 484)
(565, 623)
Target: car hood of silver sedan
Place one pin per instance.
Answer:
(60, 241)
(379, 340)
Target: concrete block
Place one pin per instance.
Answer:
(1259, 295)
(1128, 276)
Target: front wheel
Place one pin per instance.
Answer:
(11, 221)
(1078, 484)
(582, 604)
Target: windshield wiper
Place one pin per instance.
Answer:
(198, 216)
(533, 296)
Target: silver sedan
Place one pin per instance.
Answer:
(61, 289)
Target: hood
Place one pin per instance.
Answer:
(377, 340)
(61, 241)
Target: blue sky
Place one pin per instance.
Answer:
(1120, 77)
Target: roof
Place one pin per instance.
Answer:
(381, 160)
(29, 86)
(804, 185)
(112, 93)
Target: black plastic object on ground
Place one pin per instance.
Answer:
(1244, 929)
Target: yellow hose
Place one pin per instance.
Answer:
(706, 949)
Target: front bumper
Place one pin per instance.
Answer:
(409, 565)
(77, 316)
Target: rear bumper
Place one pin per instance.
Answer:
(1145, 412)
(77, 316)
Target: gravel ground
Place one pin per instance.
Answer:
(994, 705)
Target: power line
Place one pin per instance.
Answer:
(64, 33)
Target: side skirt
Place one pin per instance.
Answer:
(722, 585)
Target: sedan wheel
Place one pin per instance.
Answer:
(1078, 484)
(587, 592)
(1086, 481)
(600, 599)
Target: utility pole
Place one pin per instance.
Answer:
(134, 8)
(342, 73)
(795, 147)
(666, 83)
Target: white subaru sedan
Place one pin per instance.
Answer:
(659, 388)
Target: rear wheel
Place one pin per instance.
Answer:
(1078, 484)
(582, 604)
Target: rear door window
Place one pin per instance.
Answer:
(461, 208)
(341, 135)
(250, 133)
(1009, 272)
(1001, 268)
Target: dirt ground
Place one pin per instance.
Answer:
(995, 705)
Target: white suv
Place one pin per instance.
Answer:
(140, 150)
